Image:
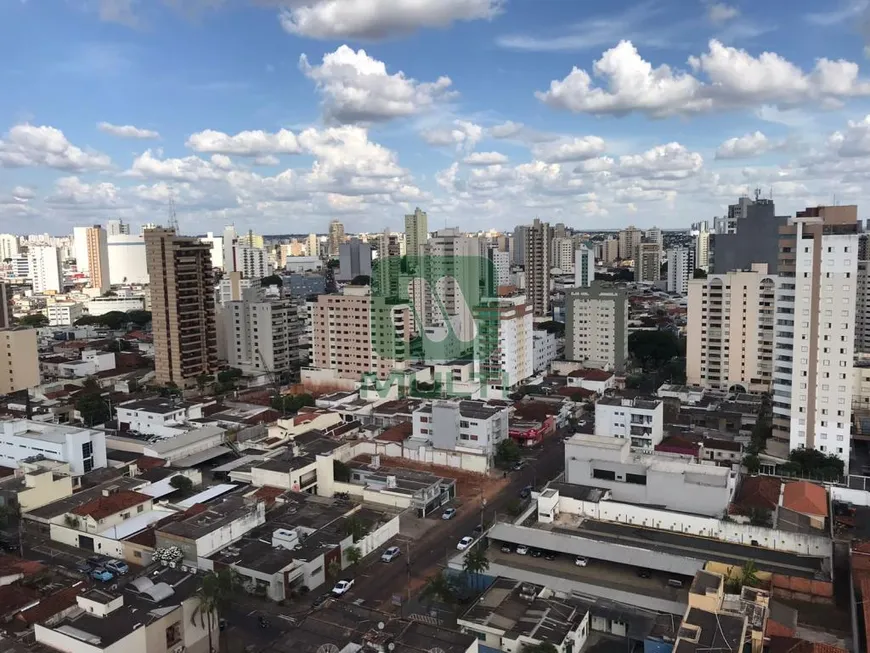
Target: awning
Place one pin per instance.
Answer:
(201, 457)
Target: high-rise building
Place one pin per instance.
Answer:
(229, 240)
(8, 246)
(681, 268)
(563, 254)
(182, 306)
(98, 258)
(251, 239)
(416, 232)
(80, 248)
(654, 235)
(117, 228)
(815, 330)
(628, 240)
(354, 334)
(217, 249)
(45, 268)
(648, 262)
(355, 259)
(537, 267)
(5, 308)
(752, 238)
(584, 266)
(607, 250)
(313, 245)
(701, 243)
(252, 262)
(596, 329)
(335, 238)
(501, 262)
(730, 330)
(127, 262)
(19, 364)
(504, 345)
(862, 298)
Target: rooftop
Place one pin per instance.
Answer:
(635, 402)
(212, 518)
(709, 631)
(805, 498)
(112, 503)
(758, 492)
(157, 405)
(68, 504)
(591, 374)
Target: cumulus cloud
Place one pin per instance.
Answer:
(379, 19)
(722, 78)
(485, 159)
(73, 193)
(854, 140)
(719, 12)
(246, 143)
(670, 161)
(190, 168)
(462, 135)
(358, 88)
(744, 147)
(31, 146)
(127, 131)
(575, 149)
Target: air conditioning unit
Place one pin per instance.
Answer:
(184, 569)
(172, 565)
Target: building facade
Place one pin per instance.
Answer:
(263, 334)
(416, 232)
(334, 238)
(83, 449)
(681, 268)
(640, 421)
(45, 268)
(64, 313)
(596, 325)
(182, 307)
(127, 263)
(19, 360)
(98, 258)
(648, 262)
(504, 346)
(354, 259)
(584, 266)
(537, 265)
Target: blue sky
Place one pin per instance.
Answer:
(486, 113)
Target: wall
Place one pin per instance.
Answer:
(102, 545)
(467, 461)
(700, 526)
(135, 641)
(221, 537)
(848, 495)
(46, 490)
(379, 536)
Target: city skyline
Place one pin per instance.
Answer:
(500, 113)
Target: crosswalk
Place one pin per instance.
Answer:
(425, 619)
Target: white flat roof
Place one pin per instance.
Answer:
(205, 495)
(135, 524)
(35, 430)
(160, 488)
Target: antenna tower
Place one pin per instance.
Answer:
(173, 219)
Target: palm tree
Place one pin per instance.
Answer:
(749, 574)
(356, 528)
(333, 569)
(475, 562)
(214, 592)
(440, 588)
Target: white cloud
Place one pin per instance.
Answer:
(358, 88)
(485, 159)
(256, 143)
(267, 160)
(848, 10)
(670, 161)
(73, 193)
(118, 11)
(190, 168)
(734, 79)
(719, 12)
(379, 19)
(575, 149)
(854, 141)
(30, 146)
(463, 135)
(744, 147)
(517, 131)
(127, 131)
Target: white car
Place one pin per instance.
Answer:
(580, 561)
(522, 549)
(391, 554)
(465, 542)
(342, 587)
(449, 513)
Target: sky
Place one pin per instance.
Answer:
(279, 115)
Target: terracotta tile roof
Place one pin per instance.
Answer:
(591, 374)
(12, 565)
(149, 462)
(103, 507)
(760, 492)
(14, 597)
(51, 604)
(268, 494)
(398, 433)
(805, 498)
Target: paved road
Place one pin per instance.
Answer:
(380, 582)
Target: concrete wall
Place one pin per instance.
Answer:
(376, 538)
(221, 537)
(713, 528)
(848, 495)
(471, 462)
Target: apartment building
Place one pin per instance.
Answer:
(563, 254)
(595, 325)
(475, 426)
(504, 346)
(627, 242)
(355, 259)
(182, 306)
(584, 266)
(730, 330)
(815, 330)
(98, 258)
(681, 268)
(64, 313)
(648, 262)
(252, 262)
(862, 298)
(537, 267)
(117, 228)
(5, 307)
(122, 303)
(45, 268)
(749, 234)
(8, 246)
(701, 244)
(83, 449)
(640, 421)
(335, 237)
(19, 360)
(354, 333)
(501, 262)
(607, 250)
(263, 334)
(127, 263)
(416, 232)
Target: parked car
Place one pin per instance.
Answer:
(506, 548)
(83, 568)
(96, 560)
(580, 561)
(117, 567)
(549, 555)
(101, 574)
(465, 542)
(526, 492)
(520, 464)
(536, 553)
(644, 573)
(477, 530)
(522, 549)
(391, 554)
(449, 513)
(342, 587)
(320, 600)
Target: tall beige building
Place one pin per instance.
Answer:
(354, 333)
(182, 306)
(19, 360)
(537, 251)
(648, 262)
(628, 240)
(335, 238)
(416, 232)
(730, 329)
(98, 257)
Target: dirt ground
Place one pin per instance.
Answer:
(469, 485)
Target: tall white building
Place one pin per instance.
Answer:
(313, 245)
(584, 267)
(217, 249)
(680, 269)
(815, 331)
(253, 262)
(701, 238)
(262, 335)
(501, 261)
(596, 325)
(80, 248)
(229, 242)
(117, 228)
(84, 449)
(127, 262)
(654, 235)
(45, 268)
(8, 246)
(639, 420)
(504, 352)
(563, 254)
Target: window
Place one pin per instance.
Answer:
(604, 474)
(173, 634)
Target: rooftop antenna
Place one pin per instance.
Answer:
(173, 219)
(757, 194)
